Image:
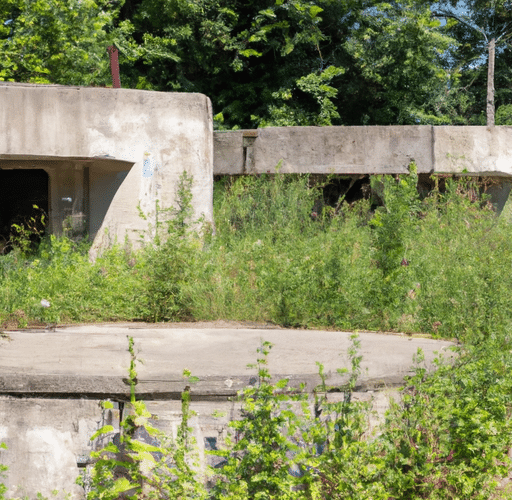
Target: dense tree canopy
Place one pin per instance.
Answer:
(275, 62)
(56, 41)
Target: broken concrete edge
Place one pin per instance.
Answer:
(171, 388)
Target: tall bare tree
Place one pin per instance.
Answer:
(491, 22)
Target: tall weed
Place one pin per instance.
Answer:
(436, 264)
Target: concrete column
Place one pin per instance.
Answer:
(54, 215)
(80, 208)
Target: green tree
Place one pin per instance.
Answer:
(396, 54)
(56, 41)
(292, 62)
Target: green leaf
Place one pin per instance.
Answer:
(250, 52)
(121, 485)
(282, 383)
(314, 10)
(102, 431)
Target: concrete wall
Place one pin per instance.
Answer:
(51, 383)
(365, 150)
(134, 143)
(48, 439)
(45, 439)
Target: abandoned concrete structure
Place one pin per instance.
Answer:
(51, 385)
(88, 157)
(355, 153)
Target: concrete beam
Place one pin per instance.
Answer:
(371, 150)
(482, 151)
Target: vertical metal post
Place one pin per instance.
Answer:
(114, 66)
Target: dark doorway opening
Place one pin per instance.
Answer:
(23, 203)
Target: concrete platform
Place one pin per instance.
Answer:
(51, 385)
(93, 360)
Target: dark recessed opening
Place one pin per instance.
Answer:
(23, 202)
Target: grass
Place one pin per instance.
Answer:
(438, 265)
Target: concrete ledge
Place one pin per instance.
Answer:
(229, 157)
(92, 361)
(206, 389)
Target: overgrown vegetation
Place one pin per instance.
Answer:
(435, 265)
(447, 438)
(145, 463)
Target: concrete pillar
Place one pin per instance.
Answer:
(80, 209)
(54, 215)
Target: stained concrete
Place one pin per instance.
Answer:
(51, 384)
(108, 152)
(483, 151)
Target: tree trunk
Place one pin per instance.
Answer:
(490, 84)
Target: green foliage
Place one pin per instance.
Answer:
(51, 41)
(504, 115)
(274, 62)
(474, 24)
(392, 220)
(170, 259)
(3, 473)
(430, 264)
(449, 435)
(146, 463)
(292, 62)
(341, 459)
(60, 272)
(257, 453)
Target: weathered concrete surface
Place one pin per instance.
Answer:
(228, 153)
(152, 136)
(63, 361)
(44, 377)
(326, 150)
(45, 438)
(485, 151)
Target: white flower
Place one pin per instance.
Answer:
(45, 303)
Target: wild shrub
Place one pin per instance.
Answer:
(170, 259)
(145, 463)
(449, 435)
(436, 264)
(447, 438)
(258, 452)
(3, 473)
(341, 458)
(60, 272)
